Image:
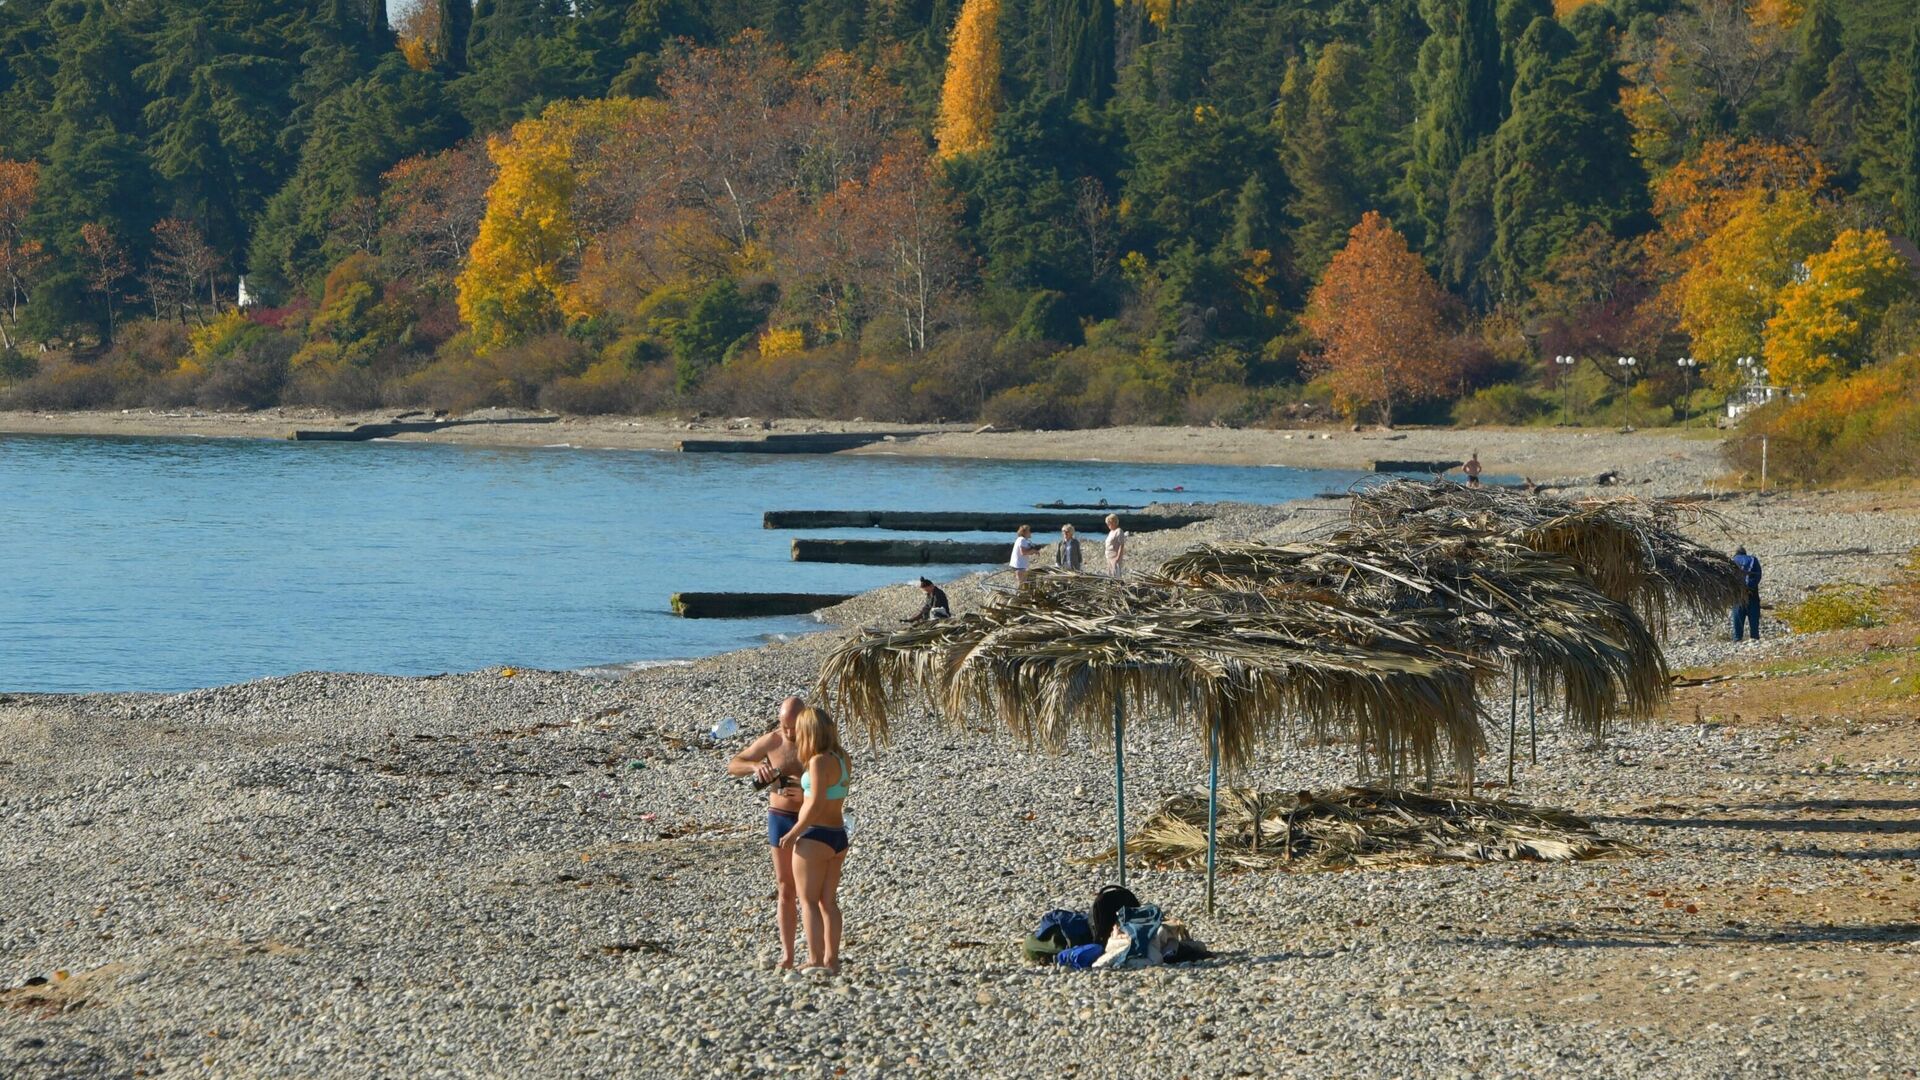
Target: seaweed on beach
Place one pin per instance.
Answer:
(1362, 828)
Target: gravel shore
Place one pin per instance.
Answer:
(545, 874)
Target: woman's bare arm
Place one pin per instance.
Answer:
(816, 771)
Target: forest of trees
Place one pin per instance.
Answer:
(1040, 212)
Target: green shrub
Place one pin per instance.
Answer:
(1835, 607)
(1502, 404)
(16, 366)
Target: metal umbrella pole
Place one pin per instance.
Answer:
(1533, 729)
(1120, 784)
(1513, 723)
(1213, 808)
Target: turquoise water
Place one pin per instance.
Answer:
(168, 564)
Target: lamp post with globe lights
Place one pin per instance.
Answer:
(1686, 364)
(1627, 364)
(1564, 364)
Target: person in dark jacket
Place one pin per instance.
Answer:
(1066, 554)
(935, 606)
(1748, 609)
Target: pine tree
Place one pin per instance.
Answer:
(970, 100)
(1563, 159)
(1315, 145)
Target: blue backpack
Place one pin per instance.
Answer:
(1070, 928)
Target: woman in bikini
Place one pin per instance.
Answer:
(818, 838)
(771, 761)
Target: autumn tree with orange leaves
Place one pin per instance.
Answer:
(1380, 320)
(20, 257)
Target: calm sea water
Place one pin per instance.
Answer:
(168, 564)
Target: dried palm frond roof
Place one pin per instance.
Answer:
(1484, 593)
(1362, 828)
(1632, 548)
(1058, 655)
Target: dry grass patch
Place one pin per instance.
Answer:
(1849, 676)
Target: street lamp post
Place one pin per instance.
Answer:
(1626, 367)
(1686, 365)
(1565, 364)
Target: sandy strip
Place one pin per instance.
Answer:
(1536, 452)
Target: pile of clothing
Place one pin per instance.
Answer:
(1118, 932)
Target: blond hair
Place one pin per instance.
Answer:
(815, 733)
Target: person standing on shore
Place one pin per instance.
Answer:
(1066, 554)
(1748, 609)
(773, 763)
(1472, 469)
(1116, 546)
(818, 838)
(1023, 549)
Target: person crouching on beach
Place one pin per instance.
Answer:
(1066, 554)
(818, 839)
(1116, 546)
(773, 762)
(1023, 549)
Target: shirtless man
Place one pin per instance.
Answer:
(772, 760)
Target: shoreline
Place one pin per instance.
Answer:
(1541, 453)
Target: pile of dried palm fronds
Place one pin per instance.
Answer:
(1361, 828)
(1632, 548)
(1058, 655)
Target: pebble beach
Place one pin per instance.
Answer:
(546, 874)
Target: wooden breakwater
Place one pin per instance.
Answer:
(364, 432)
(959, 521)
(826, 442)
(899, 552)
(1413, 466)
(743, 605)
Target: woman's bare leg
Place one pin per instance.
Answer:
(786, 915)
(811, 860)
(830, 909)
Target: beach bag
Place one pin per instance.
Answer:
(1059, 930)
(1071, 927)
(1106, 906)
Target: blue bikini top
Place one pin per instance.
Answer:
(835, 791)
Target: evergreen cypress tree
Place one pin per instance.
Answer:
(1073, 48)
(455, 23)
(1910, 143)
(1459, 95)
(1819, 47)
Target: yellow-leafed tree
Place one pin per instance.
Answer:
(970, 98)
(1827, 316)
(1734, 286)
(516, 276)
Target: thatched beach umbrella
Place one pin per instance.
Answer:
(1071, 652)
(1528, 612)
(1633, 549)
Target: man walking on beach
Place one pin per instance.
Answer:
(1747, 609)
(1472, 469)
